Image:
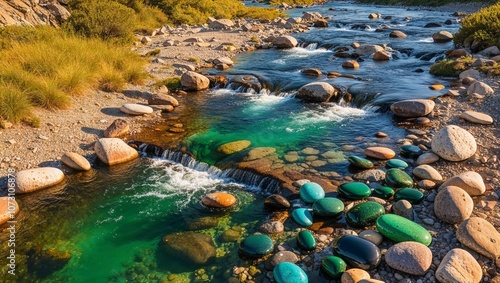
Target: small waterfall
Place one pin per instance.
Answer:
(249, 178)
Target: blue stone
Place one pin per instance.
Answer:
(397, 163)
(357, 252)
(287, 272)
(311, 192)
(411, 151)
(303, 217)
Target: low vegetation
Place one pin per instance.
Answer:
(450, 67)
(44, 67)
(291, 2)
(170, 83)
(482, 27)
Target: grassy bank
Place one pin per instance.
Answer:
(44, 67)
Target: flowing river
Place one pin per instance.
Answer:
(107, 225)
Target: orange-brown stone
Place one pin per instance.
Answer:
(380, 152)
(219, 200)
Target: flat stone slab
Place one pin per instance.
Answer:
(477, 117)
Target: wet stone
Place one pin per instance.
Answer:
(373, 236)
(357, 252)
(287, 272)
(303, 217)
(328, 207)
(412, 195)
(333, 267)
(411, 151)
(306, 241)
(354, 190)
(360, 162)
(311, 192)
(397, 163)
(276, 202)
(398, 179)
(364, 214)
(383, 192)
(282, 256)
(256, 246)
(400, 229)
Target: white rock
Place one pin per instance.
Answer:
(453, 143)
(477, 117)
(114, 151)
(479, 88)
(471, 182)
(135, 109)
(31, 180)
(223, 60)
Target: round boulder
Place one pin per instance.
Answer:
(113, 151)
(75, 161)
(442, 37)
(194, 81)
(233, 147)
(162, 99)
(397, 34)
(219, 200)
(459, 266)
(426, 172)
(368, 49)
(193, 247)
(469, 181)
(285, 42)
(351, 64)
(381, 56)
(480, 88)
(453, 205)
(31, 180)
(412, 108)
(378, 152)
(453, 143)
(409, 257)
(316, 92)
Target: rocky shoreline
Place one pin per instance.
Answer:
(29, 144)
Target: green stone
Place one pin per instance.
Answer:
(360, 162)
(412, 195)
(328, 207)
(311, 192)
(333, 266)
(397, 163)
(400, 229)
(256, 246)
(306, 241)
(354, 190)
(364, 214)
(303, 217)
(396, 178)
(411, 151)
(383, 192)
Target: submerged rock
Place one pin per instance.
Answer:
(233, 147)
(219, 200)
(258, 153)
(276, 202)
(193, 247)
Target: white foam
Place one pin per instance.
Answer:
(330, 113)
(427, 39)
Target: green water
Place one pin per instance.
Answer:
(112, 225)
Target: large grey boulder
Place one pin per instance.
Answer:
(194, 81)
(284, 42)
(442, 37)
(412, 108)
(368, 49)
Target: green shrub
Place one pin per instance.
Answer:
(152, 53)
(451, 68)
(482, 26)
(170, 83)
(291, 2)
(103, 19)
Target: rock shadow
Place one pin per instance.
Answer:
(113, 111)
(137, 94)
